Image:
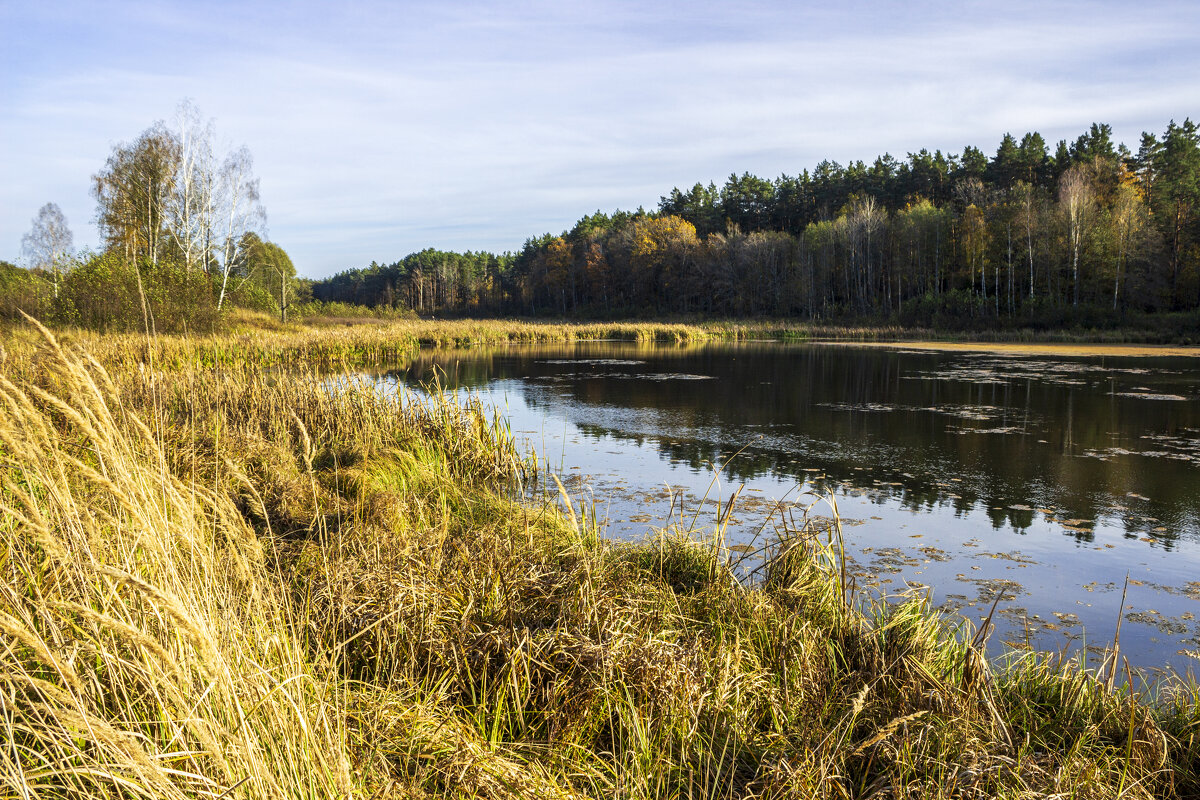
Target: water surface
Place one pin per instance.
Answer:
(1043, 479)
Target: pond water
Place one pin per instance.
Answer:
(1045, 479)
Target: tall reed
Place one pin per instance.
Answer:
(144, 654)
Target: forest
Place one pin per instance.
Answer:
(1089, 233)
(1094, 234)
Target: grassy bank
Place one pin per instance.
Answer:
(236, 581)
(332, 343)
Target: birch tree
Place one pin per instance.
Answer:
(237, 210)
(48, 244)
(192, 204)
(1029, 215)
(1128, 219)
(868, 219)
(1077, 200)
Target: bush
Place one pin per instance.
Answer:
(23, 290)
(109, 293)
(252, 296)
(339, 310)
(952, 310)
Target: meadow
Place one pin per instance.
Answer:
(227, 576)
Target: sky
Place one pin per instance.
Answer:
(382, 128)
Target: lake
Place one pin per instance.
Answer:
(1045, 479)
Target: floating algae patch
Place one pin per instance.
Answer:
(1013, 556)
(1006, 429)
(936, 553)
(1155, 619)
(574, 482)
(1181, 446)
(1020, 613)
(872, 407)
(1001, 369)
(762, 505)
(1108, 453)
(988, 589)
(1176, 447)
(821, 522)
(891, 560)
(967, 412)
(974, 376)
(1150, 396)
(668, 376)
(954, 603)
(976, 413)
(608, 362)
(571, 377)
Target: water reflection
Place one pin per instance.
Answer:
(1075, 438)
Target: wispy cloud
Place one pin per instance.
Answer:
(380, 128)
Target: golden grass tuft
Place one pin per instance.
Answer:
(144, 654)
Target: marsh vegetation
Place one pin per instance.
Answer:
(226, 576)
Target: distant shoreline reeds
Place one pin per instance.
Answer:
(332, 344)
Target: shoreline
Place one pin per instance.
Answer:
(1021, 348)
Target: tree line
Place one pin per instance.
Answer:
(181, 231)
(1026, 234)
(1092, 231)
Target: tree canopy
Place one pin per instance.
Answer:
(931, 237)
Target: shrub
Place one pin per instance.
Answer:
(23, 290)
(252, 296)
(109, 293)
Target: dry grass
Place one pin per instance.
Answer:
(332, 344)
(143, 653)
(242, 582)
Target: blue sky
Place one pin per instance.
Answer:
(382, 128)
